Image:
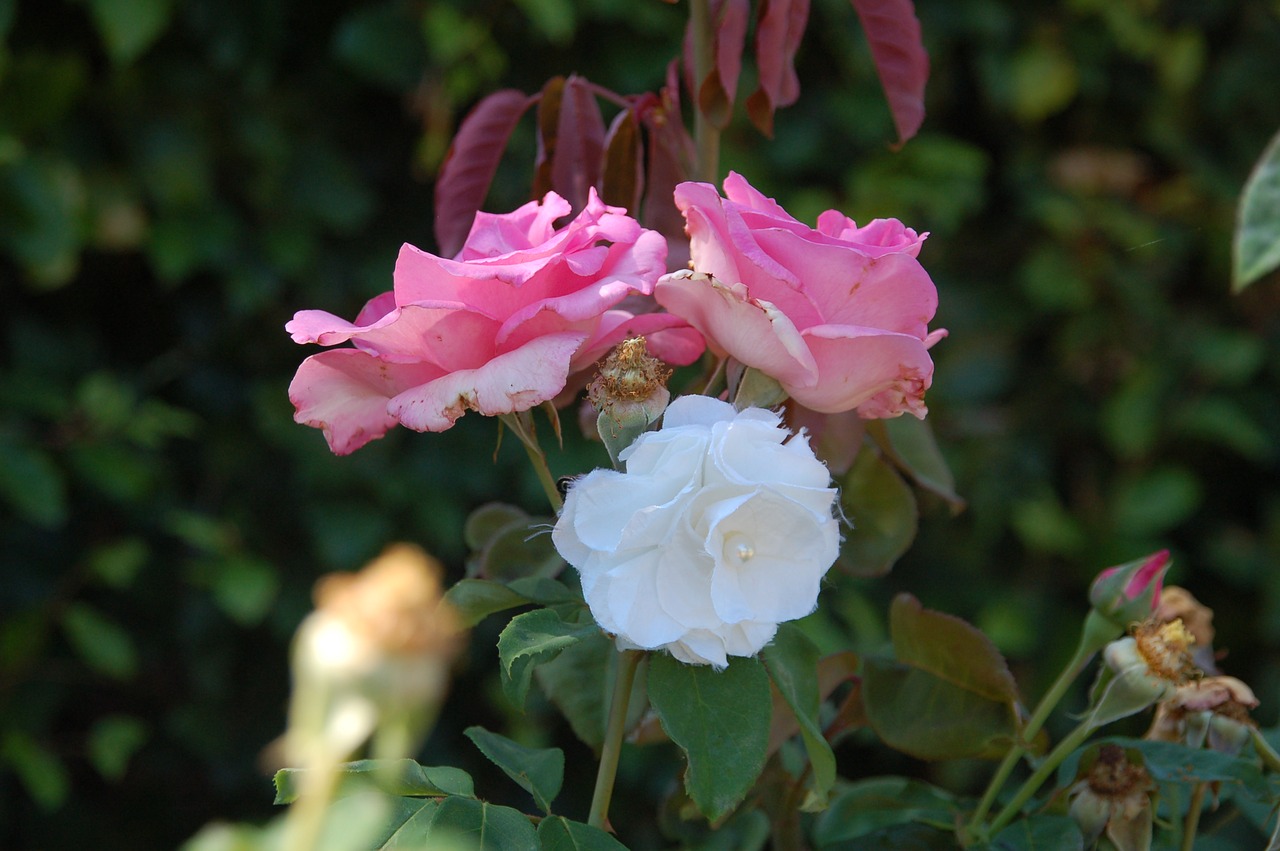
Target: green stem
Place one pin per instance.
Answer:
(1192, 824)
(1033, 783)
(628, 661)
(536, 457)
(706, 136)
(1095, 635)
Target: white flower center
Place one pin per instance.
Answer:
(738, 549)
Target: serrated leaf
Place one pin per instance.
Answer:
(579, 150)
(1039, 833)
(882, 509)
(476, 599)
(471, 163)
(791, 660)
(529, 640)
(557, 833)
(539, 771)
(910, 444)
(1257, 238)
(947, 647)
(901, 62)
(622, 179)
(720, 719)
(101, 642)
(447, 824)
(400, 777)
(869, 805)
(779, 28)
(579, 682)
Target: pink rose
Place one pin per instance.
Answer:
(500, 328)
(838, 315)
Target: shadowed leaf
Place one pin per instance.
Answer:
(779, 28)
(622, 179)
(1257, 242)
(579, 153)
(882, 509)
(539, 771)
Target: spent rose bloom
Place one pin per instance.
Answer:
(838, 314)
(499, 328)
(720, 529)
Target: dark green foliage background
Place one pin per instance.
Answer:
(178, 176)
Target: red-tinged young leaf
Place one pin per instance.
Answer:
(670, 155)
(623, 177)
(894, 34)
(471, 163)
(579, 152)
(778, 32)
(549, 101)
(948, 647)
(718, 89)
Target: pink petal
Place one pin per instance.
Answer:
(515, 381)
(880, 373)
(345, 392)
(753, 331)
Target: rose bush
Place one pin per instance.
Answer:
(720, 529)
(499, 328)
(838, 315)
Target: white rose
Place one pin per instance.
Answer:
(720, 529)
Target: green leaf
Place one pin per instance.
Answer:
(529, 640)
(580, 683)
(100, 642)
(899, 837)
(1155, 501)
(117, 564)
(1039, 833)
(487, 521)
(870, 805)
(518, 550)
(401, 777)
(383, 44)
(129, 27)
(792, 662)
(112, 743)
(438, 824)
(948, 694)
(476, 599)
(557, 833)
(720, 719)
(1172, 762)
(882, 509)
(42, 773)
(1257, 240)
(910, 444)
(244, 588)
(32, 485)
(539, 771)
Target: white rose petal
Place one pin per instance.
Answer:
(721, 528)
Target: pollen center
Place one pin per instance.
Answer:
(738, 549)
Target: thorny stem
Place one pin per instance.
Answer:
(1093, 637)
(1042, 772)
(706, 136)
(1192, 824)
(628, 661)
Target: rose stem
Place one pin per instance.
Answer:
(628, 661)
(1095, 635)
(1032, 783)
(1192, 824)
(706, 136)
(536, 457)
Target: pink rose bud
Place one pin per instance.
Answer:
(1130, 592)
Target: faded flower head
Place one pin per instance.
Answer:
(1213, 710)
(720, 528)
(378, 646)
(630, 393)
(1114, 794)
(1143, 669)
(1180, 604)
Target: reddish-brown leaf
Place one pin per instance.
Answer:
(579, 152)
(670, 155)
(718, 89)
(623, 177)
(894, 33)
(778, 31)
(548, 134)
(470, 164)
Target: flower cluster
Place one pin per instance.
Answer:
(720, 528)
